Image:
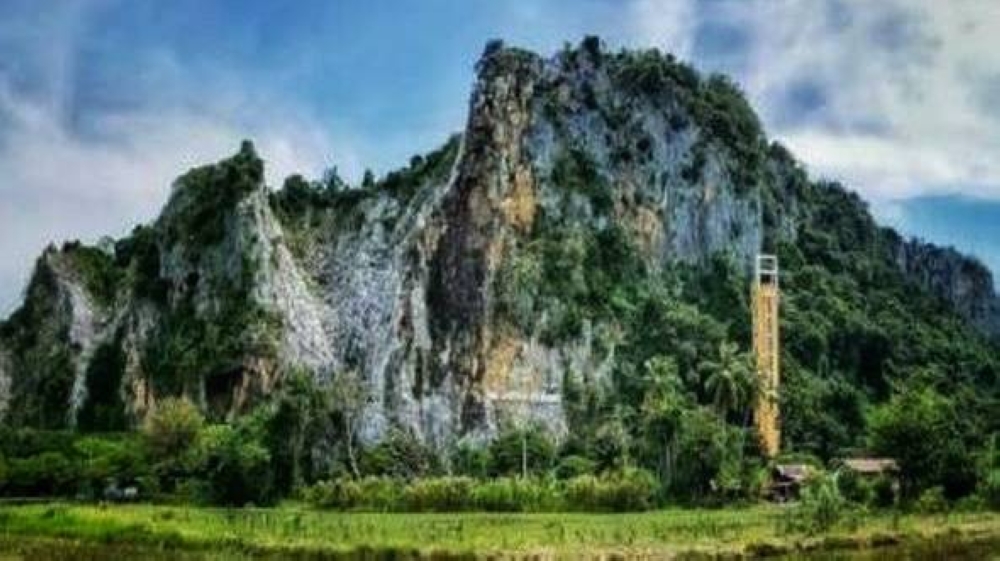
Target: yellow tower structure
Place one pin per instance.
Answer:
(767, 352)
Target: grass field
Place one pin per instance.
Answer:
(292, 529)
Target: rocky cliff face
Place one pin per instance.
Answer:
(47, 345)
(958, 279)
(450, 290)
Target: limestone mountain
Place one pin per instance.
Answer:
(599, 210)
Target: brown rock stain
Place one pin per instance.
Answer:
(647, 227)
(499, 363)
(520, 204)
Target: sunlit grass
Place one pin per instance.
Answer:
(294, 528)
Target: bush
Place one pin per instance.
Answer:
(989, 488)
(575, 466)
(172, 427)
(340, 494)
(512, 446)
(878, 492)
(628, 490)
(381, 493)
(400, 454)
(971, 503)
(854, 487)
(470, 460)
(234, 466)
(932, 501)
(821, 507)
(440, 494)
(21, 443)
(883, 491)
(508, 494)
(106, 460)
(47, 474)
(918, 427)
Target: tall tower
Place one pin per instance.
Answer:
(767, 352)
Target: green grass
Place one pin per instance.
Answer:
(294, 529)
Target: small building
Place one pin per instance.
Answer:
(880, 477)
(787, 480)
(871, 467)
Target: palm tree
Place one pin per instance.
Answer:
(733, 385)
(729, 380)
(661, 412)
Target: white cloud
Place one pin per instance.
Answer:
(667, 24)
(908, 88)
(57, 183)
(58, 186)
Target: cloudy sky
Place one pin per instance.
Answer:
(103, 102)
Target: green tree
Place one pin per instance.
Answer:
(918, 428)
(295, 424)
(515, 444)
(729, 380)
(234, 466)
(704, 444)
(368, 180)
(104, 458)
(172, 427)
(611, 448)
(399, 454)
(347, 395)
(661, 412)
(822, 505)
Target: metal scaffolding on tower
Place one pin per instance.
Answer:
(767, 352)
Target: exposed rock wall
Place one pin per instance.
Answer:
(963, 282)
(52, 337)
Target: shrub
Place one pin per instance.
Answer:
(971, 503)
(513, 445)
(918, 427)
(989, 488)
(611, 443)
(340, 494)
(575, 170)
(854, 488)
(883, 491)
(627, 490)
(575, 466)
(932, 501)
(46, 474)
(381, 493)
(172, 427)
(821, 507)
(21, 443)
(508, 494)
(441, 494)
(400, 454)
(234, 466)
(104, 460)
(470, 460)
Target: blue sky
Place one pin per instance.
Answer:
(104, 102)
